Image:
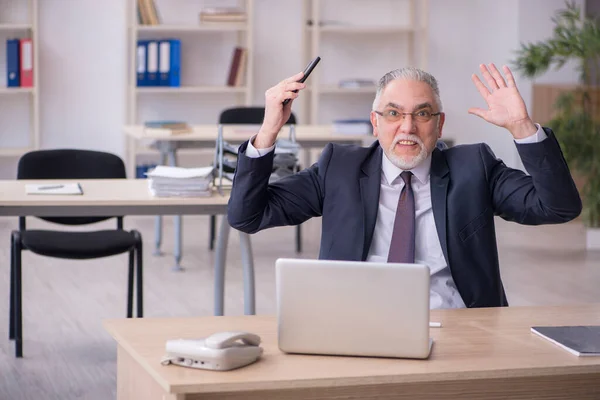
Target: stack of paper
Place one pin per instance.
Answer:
(180, 182)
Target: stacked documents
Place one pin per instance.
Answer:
(165, 181)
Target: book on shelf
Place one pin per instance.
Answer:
(222, 14)
(147, 12)
(158, 62)
(166, 128)
(19, 62)
(237, 67)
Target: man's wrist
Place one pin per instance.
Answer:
(523, 129)
(264, 140)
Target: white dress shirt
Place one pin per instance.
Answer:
(428, 249)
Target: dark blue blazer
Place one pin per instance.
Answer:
(469, 186)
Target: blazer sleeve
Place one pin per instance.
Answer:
(255, 204)
(547, 195)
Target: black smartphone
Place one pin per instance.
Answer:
(311, 65)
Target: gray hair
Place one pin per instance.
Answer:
(412, 74)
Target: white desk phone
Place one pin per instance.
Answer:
(221, 351)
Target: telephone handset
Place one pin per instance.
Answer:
(221, 351)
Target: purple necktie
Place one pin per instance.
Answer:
(402, 246)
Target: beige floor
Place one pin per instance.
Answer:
(69, 356)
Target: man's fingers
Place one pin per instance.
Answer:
(478, 111)
(294, 78)
(488, 77)
(509, 77)
(293, 86)
(483, 90)
(289, 95)
(497, 76)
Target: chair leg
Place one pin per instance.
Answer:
(298, 239)
(11, 310)
(140, 276)
(18, 312)
(130, 272)
(213, 226)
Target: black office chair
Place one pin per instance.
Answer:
(248, 115)
(71, 164)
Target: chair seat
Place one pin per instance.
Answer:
(78, 245)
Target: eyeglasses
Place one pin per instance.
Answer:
(418, 116)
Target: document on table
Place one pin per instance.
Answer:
(53, 188)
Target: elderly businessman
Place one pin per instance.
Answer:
(403, 199)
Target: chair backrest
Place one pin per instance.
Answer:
(247, 115)
(71, 164)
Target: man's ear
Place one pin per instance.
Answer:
(374, 123)
(441, 124)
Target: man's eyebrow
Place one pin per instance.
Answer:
(417, 107)
(423, 105)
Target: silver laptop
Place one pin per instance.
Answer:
(353, 308)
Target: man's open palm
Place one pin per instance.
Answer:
(506, 107)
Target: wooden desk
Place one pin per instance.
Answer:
(103, 197)
(477, 354)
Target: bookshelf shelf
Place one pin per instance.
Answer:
(354, 29)
(15, 152)
(15, 27)
(192, 89)
(212, 27)
(11, 90)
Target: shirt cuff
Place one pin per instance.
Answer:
(253, 152)
(537, 137)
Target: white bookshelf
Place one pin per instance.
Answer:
(355, 40)
(199, 87)
(20, 20)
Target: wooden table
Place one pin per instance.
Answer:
(103, 197)
(477, 354)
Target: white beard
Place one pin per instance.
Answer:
(407, 162)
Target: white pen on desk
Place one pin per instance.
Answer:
(50, 187)
(435, 324)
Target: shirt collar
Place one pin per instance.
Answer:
(391, 172)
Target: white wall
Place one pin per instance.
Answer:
(82, 73)
(83, 64)
(465, 33)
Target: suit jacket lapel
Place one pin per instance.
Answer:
(370, 185)
(440, 179)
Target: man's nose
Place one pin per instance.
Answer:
(407, 123)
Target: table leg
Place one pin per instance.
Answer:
(220, 260)
(248, 266)
(158, 222)
(172, 155)
(157, 235)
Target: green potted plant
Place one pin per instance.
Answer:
(576, 121)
